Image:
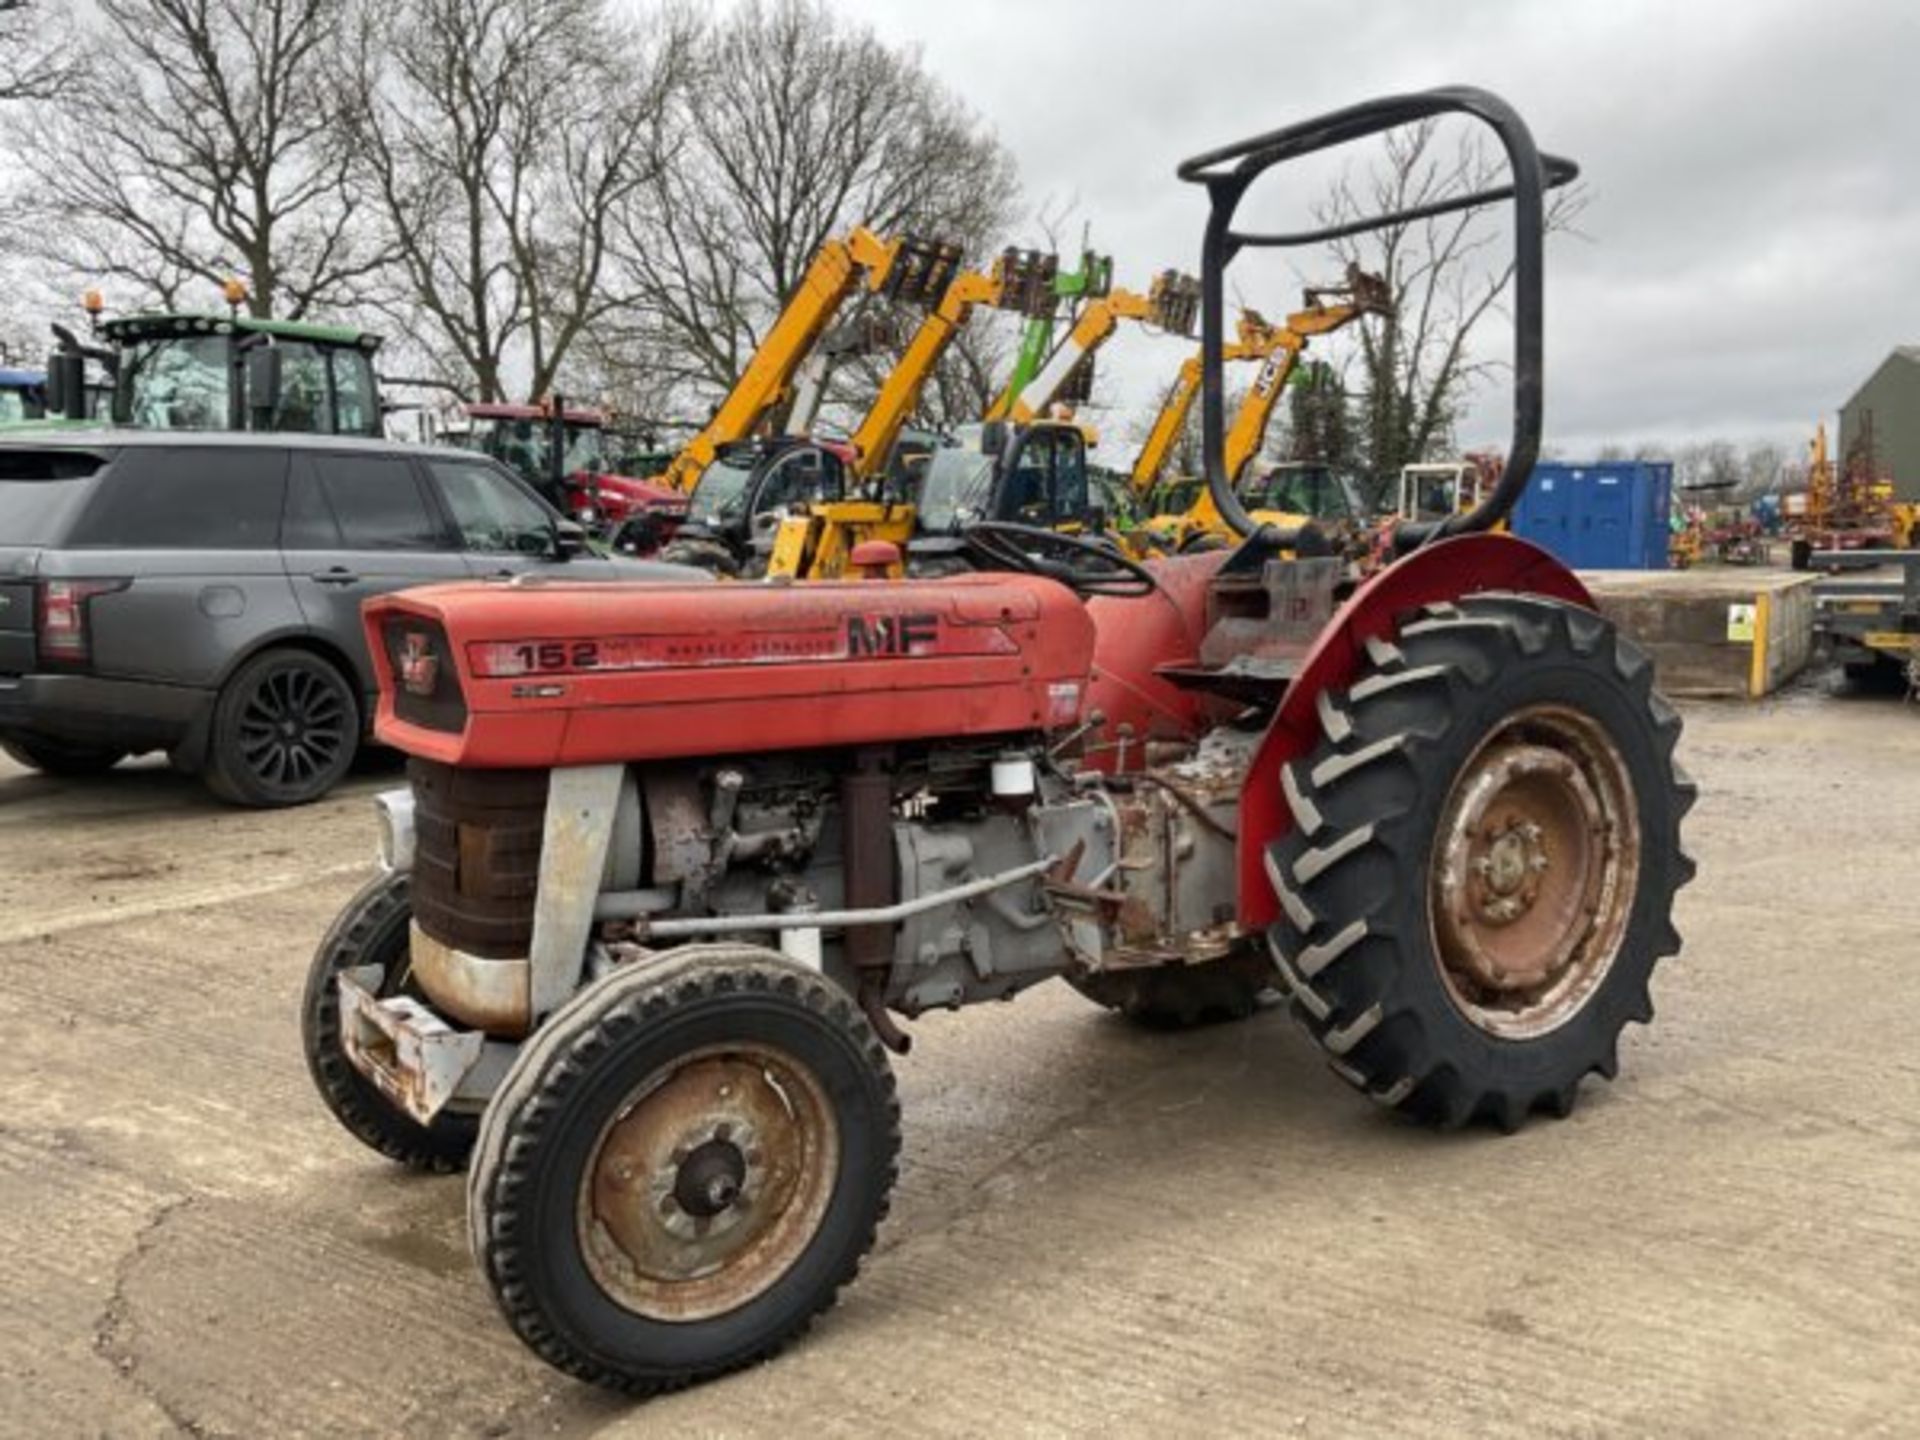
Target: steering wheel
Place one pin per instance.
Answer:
(1088, 567)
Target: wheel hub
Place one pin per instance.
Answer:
(708, 1184)
(1534, 871)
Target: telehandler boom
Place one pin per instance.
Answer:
(1256, 341)
(904, 268)
(1092, 280)
(797, 506)
(1168, 305)
(1278, 349)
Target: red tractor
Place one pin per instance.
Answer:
(562, 451)
(675, 857)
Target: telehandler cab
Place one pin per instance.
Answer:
(674, 857)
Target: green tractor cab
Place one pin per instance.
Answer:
(23, 396)
(218, 372)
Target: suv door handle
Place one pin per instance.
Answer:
(335, 575)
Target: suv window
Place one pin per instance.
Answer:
(492, 513)
(374, 502)
(40, 490)
(188, 499)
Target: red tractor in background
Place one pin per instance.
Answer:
(674, 858)
(561, 451)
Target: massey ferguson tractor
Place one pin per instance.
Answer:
(677, 861)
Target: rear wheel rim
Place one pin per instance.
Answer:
(294, 727)
(709, 1183)
(1534, 872)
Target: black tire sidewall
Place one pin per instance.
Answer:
(353, 1099)
(1524, 1066)
(228, 771)
(551, 1263)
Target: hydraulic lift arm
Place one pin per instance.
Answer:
(1170, 304)
(1256, 341)
(902, 268)
(1092, 280)
(1020, 280)
(1363, 294)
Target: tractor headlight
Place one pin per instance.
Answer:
(395, 810)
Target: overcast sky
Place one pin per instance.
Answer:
(1753, 171)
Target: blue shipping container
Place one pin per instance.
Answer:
(1599, 517)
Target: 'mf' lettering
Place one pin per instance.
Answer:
(890, 634)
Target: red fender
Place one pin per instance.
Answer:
(1446, 570)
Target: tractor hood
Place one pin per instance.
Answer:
(577, 674)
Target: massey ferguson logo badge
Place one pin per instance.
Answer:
(419, 666)
(891, 634)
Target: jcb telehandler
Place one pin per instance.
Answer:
(906, 268)
(796, 506)
(674, 857)
(1325, 309)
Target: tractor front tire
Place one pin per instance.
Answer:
(1176, 997)
(373, 930)
(1484, 853)
(683, 1167)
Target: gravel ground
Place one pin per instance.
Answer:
(1096, 1228)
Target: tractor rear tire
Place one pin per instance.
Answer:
(373, 930)
(683, 1167)
(1481, 868)
(1177, 997)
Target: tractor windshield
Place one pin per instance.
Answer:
(1312, 490)
(177, 383)
(13, 407)
(586, 449)
(721, 496)
(957, 489)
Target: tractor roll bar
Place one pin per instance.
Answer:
(1229, 171)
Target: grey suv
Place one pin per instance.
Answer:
(200, 594)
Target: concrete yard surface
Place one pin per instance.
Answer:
(1097, 1229)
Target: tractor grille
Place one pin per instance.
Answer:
(476, 859)
(426, 687)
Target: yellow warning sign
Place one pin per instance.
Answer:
(1740, 623)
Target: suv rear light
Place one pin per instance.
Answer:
(61, 625)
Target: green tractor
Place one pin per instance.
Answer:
(218, 372)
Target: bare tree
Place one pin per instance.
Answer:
(497, 140)
(797, 126)
(201, 143)
(38, 53)
(1319, 411)
(1417, 364)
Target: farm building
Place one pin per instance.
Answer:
(1891, 397)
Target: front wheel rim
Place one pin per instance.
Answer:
(1534, 872)
(709, 1183)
